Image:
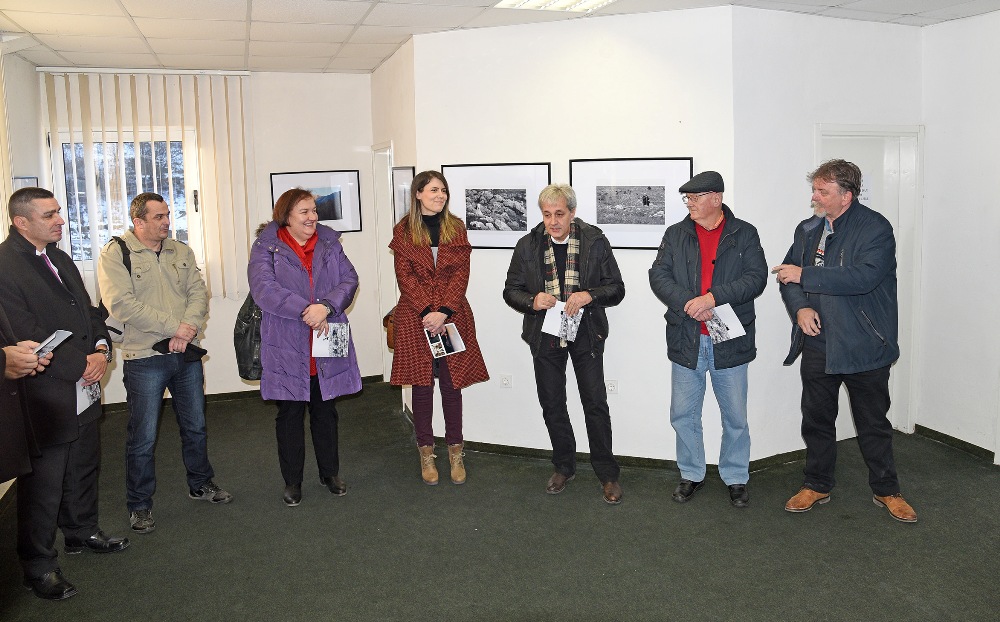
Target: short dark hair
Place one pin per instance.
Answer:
(845, 174)
(20, 202)
(288, 199)
(138, 207)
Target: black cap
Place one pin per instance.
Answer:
(707, 181)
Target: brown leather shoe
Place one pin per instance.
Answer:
(897, 506)
(428, 470)
(455, 455)
(612, 493)
(805, 499)
(557, 483)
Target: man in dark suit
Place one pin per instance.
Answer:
(17, 359)
(42, 291)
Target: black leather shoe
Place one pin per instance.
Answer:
(98, 543)
(51, 586)
(686, 489)
(557, 483)
(739, 496)
(293, 495)
(335, 484)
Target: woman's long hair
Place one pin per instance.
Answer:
(450, 224)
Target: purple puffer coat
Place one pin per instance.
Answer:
(280, 287)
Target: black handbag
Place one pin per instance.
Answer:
(246, 339)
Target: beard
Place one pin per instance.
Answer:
(817, 209)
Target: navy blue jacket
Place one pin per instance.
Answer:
(856, 290)
(740, 275)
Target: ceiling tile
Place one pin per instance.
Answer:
(866, 16)
(386, 34)
(8, 26)
(200, 61)
(100, 59)
(293, 48)
(287, 63)
(78, 7)
(966, 9)
(646, 6)
(310, 11)
(782, 5)
(65, 24)
(271, 31)
(43, 57)
(421, 15)
(188, 9)
(367, 50)
(191, 29)
(75, 43)
(914, 20)
(358, 64)
(198, 46)
(898, 7)
(511, 17)
(479, 3)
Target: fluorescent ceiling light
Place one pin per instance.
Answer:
(572, 6)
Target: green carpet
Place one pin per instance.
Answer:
(498, 548)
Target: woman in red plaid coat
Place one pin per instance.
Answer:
(432, 268)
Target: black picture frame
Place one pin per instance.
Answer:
(25, 182)
(338, 195)
(633, 200)
(497, 202)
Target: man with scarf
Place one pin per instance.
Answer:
(567, 260)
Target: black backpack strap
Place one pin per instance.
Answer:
(126, 253)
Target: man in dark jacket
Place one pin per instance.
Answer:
(565, 260)
(838, 282)
(708, 260)
(42, 291)
(17, 360)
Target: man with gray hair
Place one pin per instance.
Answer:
(838, 282)
(152, 284)
(564, 260)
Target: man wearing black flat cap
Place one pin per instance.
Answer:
(709, 259)
(152, 284)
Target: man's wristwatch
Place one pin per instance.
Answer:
(106, 351)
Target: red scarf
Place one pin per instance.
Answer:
(305, 255)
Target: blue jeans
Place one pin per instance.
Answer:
(687, 394)
(145, 379)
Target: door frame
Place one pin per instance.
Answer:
(906, 376)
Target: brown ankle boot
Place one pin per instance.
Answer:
(428, 470)
(457, 466)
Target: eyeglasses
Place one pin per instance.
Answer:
(685, 198)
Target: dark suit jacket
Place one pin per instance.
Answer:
(37, 304)
(15, 431)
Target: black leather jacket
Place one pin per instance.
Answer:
(599, 275)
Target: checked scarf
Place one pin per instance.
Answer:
(571, 278)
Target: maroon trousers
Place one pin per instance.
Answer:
(423, 409)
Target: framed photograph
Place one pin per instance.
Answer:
(633, 200)
(338, 195)
(25, 182)
(401, 178)
(497, 202)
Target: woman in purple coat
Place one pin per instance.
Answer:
(303, 282)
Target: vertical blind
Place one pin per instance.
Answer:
(113, 136)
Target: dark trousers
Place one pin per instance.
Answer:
(550, 381)
(60, 492)
(451, 405)
(289, 428)
(869, 395)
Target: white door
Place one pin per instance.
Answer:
(888, 159)
(382, 170)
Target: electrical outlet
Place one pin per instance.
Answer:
(506, 381)
(612, 386)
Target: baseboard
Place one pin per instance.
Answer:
(951, 441)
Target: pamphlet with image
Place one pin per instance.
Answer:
(557, 323)
(448, 342)
(334, 344)
(86, 395)
(52, 341)
(724, 324)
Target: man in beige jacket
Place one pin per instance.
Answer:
(157, 291)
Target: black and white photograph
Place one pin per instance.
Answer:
(497, 202)
(448, 342)
(631, 205)
(402, 177)
(338, 195)
(496, 209)
(633, 200)
(335, 343)
(25, 182)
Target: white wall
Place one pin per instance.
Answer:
(393, 106)
(787, 79)
(628, 86)
(960, 363)
(24, 113)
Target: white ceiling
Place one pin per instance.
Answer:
(353, 36)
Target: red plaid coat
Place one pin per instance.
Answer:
(423, 285)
